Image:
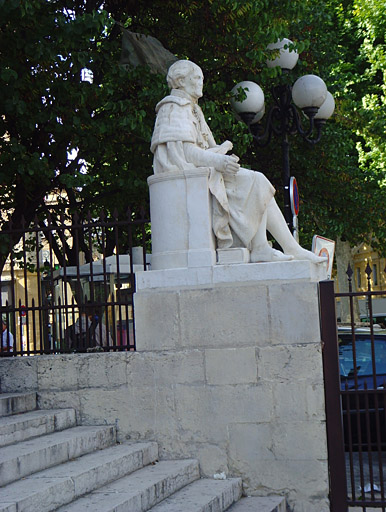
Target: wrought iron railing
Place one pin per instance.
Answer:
(354, 357)
(67, 285)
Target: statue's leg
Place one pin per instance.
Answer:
(278, 228)
(261, 250)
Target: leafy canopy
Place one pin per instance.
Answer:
(89, 139)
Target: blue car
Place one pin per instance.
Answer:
(364, 361)
(363, 392)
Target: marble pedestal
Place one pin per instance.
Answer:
(181, 213)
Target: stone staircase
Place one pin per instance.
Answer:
(49, 463)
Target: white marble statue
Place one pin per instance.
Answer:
(244, 207)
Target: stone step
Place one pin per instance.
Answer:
(257, 504)
(139, 491)
(204, 495)
(47, 490)
(14, 403)
(28, 457)
(20, 427)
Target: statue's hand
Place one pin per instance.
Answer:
(223, 148)
(230, 165)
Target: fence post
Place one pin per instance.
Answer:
(334, 421)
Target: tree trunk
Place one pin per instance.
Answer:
(343, 259)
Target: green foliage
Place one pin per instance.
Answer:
(91, 139)
(341, 179)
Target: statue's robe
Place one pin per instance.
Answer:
(239, 201)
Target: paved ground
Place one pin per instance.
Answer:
(356, 509)
(370, 472)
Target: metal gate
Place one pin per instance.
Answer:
(68, 283)
(354, 360)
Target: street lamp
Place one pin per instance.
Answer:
(309, 94)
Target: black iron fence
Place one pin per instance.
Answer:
(67, 285)
(354, 357)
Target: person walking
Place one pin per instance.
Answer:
(7, 336)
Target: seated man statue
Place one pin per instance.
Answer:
(244, 207)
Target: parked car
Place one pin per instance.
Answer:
(364, 360)
(363, 391)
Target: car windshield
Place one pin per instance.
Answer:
(363, 357)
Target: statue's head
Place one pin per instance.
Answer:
(187, 76)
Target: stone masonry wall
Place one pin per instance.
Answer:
(229, 375)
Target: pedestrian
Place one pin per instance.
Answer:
(88, 333)
(7, 337)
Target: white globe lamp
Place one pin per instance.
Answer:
(286, 59)
(254, 101)
(327, 108)
(309, 93)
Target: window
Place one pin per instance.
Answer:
(375, 275)
(358, 277)
(364, 362)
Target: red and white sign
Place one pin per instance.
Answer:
(294, 196)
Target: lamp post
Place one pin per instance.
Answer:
(309, 94)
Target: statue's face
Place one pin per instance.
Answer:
(192, 84)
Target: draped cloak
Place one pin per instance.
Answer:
(239, 201)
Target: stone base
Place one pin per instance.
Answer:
(180, 259)
(228, 306)
(231, 273)
(233, 255)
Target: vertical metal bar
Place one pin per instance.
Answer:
(350, 443)
(90, 225)
(359, 433)
(113, 302)
(129, 303)
(72, 341)
(20, 320)
(77, 225)
(58, 339)
(34, 325)
(119, 283)
(39, 289)
(13, 298)
(65, 282)
(47, 310)
(369, 440)
(90, 311)
(384, 408)
(105, 287)
(336, 456)
(376, 402)
(25, 277)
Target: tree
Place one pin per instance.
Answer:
(350, 175)
(91, 139)
(61, 131)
